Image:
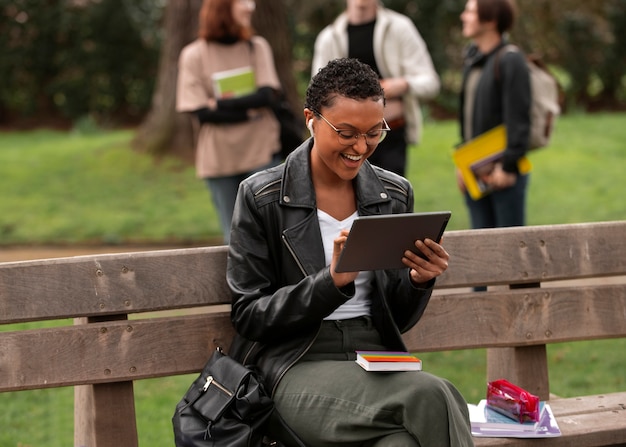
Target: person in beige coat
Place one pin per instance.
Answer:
(238, 132)
(390, 43)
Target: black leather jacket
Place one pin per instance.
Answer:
(282, 288)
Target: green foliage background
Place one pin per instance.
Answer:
(66, 61)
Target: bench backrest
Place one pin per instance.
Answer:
(130, 311)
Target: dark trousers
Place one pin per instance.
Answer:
(330, 401)
(502, 208)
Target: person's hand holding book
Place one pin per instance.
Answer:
(499, 178)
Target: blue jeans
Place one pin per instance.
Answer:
(501, 208)
(224, 192)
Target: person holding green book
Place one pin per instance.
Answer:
(227, 80)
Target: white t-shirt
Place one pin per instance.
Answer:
(358, 305)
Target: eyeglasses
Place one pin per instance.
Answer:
(351, 137)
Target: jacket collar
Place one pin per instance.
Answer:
(297, 187)
(473, 56)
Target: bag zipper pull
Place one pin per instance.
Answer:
(207, 384)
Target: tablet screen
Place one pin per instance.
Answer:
(379, 242)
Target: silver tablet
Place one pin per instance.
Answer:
(379, 242)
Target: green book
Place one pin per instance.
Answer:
(234, 83)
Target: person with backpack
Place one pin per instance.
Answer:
(496, 90)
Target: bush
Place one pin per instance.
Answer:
(70, 59)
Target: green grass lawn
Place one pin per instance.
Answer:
(60, 188)
(82, 189)
(579, 178)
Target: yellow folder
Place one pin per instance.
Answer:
(477, 156)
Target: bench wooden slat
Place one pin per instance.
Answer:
(110, 351)
(165, 279)
(112, 284)
(539, 253)
(596, 403)
(520, 317)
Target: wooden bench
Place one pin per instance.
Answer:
(548, 284)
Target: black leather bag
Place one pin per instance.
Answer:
(225, 406)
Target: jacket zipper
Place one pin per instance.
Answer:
(288, 367)
(248, 352)
(268, 189)
(293, 254)
(396, 187)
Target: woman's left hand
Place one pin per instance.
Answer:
(423, 270)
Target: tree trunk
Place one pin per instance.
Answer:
(270, 21)
(165, 131)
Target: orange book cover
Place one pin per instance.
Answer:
(388, 361)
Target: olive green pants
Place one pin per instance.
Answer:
(335, 402)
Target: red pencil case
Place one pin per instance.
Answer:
(512, 401)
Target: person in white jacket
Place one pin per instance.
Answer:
(390, 43)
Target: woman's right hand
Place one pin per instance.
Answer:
(340, 279)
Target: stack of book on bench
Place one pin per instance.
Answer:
(487, 422)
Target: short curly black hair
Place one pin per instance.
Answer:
(347, 77)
